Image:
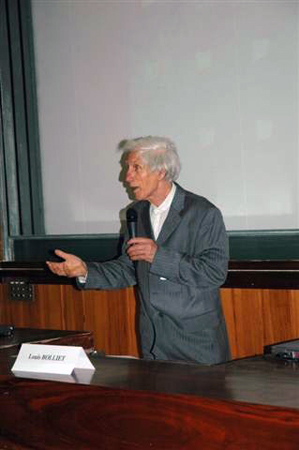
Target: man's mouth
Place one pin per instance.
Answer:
(136, 191)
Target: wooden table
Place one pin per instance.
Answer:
(137, 404)
(39, 336)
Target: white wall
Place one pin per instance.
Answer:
(218, 77)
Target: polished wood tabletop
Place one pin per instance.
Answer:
(41, 336)
(137, 404)
(260, 380)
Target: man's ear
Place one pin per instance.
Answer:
(162, 174)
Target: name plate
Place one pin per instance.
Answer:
(51, 359)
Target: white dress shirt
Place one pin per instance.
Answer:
(159, 213)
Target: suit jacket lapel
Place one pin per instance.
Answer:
(145, 229)
(174, 215)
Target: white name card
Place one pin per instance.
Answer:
(51, 359)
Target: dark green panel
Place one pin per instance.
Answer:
(8, 125)
(35, 169)
(21, 198)
(3, 202)
(90, 248)
(20, 117)
(262, 245)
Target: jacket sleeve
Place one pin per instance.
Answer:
(206, 267)
(115, 274)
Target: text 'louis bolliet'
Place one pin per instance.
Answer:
(47, 357)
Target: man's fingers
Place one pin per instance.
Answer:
(72, 266)
(62, 254)
(56, 267)
(142, 250)
(139, 240)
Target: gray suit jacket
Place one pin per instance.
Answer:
(180, 310)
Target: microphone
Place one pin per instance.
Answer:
(132, 222)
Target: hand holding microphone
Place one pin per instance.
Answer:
(132, 222)
(140, 249)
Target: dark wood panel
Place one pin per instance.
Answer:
(47, 337)
(80, 417)
(259, 317)
(255, 317)
(241, 274)
(135, 404)
(244, 321)
(109, 314)
(112, 317)
(263, 275)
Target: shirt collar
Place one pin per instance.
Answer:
(166, 203)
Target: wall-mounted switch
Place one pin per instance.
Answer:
(21, 290)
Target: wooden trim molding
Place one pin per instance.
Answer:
(263, 274)
(241, 274)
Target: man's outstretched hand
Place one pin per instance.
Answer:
(72, 266)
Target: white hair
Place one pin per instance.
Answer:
(159, 153)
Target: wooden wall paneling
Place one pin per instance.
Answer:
(47, 307)
(3, 308)
(259, 317)
(15, 313)
(133, 315)
(294, 300)
(73, 314)
(254, 317)
(280, 315)
(243, 309)
(230, 319)
(111, 316)
(44, 311)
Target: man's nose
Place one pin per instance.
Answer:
(129, 175)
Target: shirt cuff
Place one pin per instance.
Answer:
(82, 279)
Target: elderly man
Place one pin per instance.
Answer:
(178, 259)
